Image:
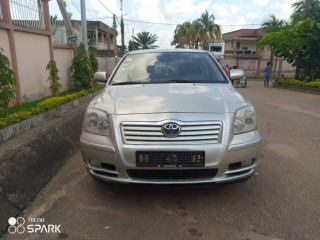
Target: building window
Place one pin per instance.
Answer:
(215, 49)
(238, 45)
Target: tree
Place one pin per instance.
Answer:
(208, 30)
(306, 9)
(201, 30)
(299, 44)
(123, 47)
(132, 45)
(272, 25)
(145, 40)
(7, 82)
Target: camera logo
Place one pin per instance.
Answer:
(16, 225)
(33, 225)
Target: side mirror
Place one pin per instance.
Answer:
(236, 74)
(100, 77)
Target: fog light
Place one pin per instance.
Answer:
(246, 163)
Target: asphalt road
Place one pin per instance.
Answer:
(281, 202)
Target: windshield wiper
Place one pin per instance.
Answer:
(176, 81)
(128, 83)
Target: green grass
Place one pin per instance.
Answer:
(28, 106)
(23, 107)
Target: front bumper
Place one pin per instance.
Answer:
(225, 161)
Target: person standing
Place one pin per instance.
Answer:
(226, 70)
(267, 72)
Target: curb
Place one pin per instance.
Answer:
(29, 161)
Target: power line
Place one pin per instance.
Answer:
(261, 11)
(106, 7)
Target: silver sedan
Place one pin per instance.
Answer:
(169, 117)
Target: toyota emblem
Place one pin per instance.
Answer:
(171, 129)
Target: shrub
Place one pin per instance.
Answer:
(302, 84)
(81, 69)
(94, 63)
(7, 82)
(17, 117)
(43, 106)
(53, 77)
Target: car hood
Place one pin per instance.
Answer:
(164, 98)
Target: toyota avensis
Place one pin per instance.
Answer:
(169, 117)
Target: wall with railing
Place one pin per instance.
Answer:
(25, 37)
(27, 13)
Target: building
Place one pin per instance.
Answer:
(240, 50)
(100, 35)
(242, 43)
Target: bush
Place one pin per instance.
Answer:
(17, 117)
(7, 82)
(81, 69)
(53, 77)
(302, 84)
(43, 106)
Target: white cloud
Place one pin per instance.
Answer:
(238, 13)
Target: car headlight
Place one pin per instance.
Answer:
(245, 120)
(96, 122)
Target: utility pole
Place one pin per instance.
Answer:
(122, 29)
(132, 39)
(84, 24)
(67, 22)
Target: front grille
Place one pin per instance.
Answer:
(208, 132)
(172, 174)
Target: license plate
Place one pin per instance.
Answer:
(170, 159)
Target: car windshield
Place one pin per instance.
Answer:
(168, 67)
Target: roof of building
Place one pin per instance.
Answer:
(98, 24)
(242, 33)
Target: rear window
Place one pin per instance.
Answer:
(165, 67)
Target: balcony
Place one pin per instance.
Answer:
(241, 53)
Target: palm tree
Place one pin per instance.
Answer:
(306, 9)
(272, 25)
(208, 31)
(182, 34)
(145, 40)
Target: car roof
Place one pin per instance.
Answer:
(173, 50)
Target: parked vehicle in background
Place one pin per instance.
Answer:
(170, 117)
(237, 78)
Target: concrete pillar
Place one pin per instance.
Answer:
(47, 23)
(5, 5)
(258, 67)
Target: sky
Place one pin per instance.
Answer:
(161, 17)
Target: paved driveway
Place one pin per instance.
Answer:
(281, 202)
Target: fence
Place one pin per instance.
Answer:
(59, 31)
(27, 13)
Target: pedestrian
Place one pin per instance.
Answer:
(226, 70)
(267, 72)
(283, 77)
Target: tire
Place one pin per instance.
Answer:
(244, 84)
(235, 83)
